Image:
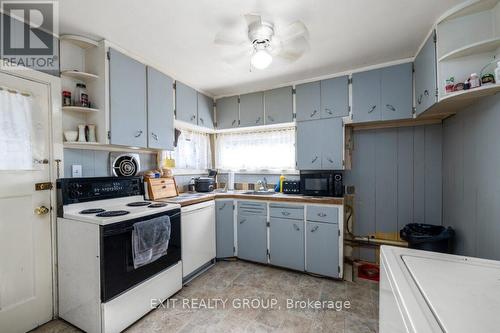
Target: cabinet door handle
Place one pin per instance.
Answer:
(329, 160)
(243, 221)
(270, 118)
(314, 159)
(193, 117)
(138, 133)
(155, 136)
(257, 121)
(329, 111)
(202, 122)
(285, 213)
(296, 227)
(321, 214)
(233, 123)
(372, 108)
(313, 113)
(390, 107)
(222, 207)
(426, 93)
(314, 228)
(419, 99)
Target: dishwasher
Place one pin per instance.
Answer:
(198, 237)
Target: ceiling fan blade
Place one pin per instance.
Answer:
(294, 30)
(238, 57)
(252, 18)
(293, 49)
(225, 39)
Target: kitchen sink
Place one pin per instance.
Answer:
(259, 193)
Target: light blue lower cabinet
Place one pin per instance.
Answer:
(224, 228)
(287, 243)
(252, 237)
(322, 250)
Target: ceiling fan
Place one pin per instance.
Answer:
(262, 43)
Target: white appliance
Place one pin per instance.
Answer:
(198, 236)
(427, 292)
(100, 290)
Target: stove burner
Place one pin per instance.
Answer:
(157, 205)
(138, 204)
(92, 211)
(113, 213)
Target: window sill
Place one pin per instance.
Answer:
(188, 172)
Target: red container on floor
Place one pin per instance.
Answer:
(369, 272)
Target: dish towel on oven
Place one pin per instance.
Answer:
(150, 240)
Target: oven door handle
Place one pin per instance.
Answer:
(130, 228)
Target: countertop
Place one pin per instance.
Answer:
(186, 199)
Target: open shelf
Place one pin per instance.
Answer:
(469, 9)
(454, 102)
(80, 41)
(79, 109)
(79, 75)
(476, 48)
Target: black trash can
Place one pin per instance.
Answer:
(428, 237)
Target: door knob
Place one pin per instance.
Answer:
(42, 210)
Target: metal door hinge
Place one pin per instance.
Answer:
(343, 163)
(234, 250)
(234, 207)
(268, 224)
(109, 135)
(294, 91)
(108, 55)
(294, 116)
(437, 92)
(414, 110)
(44, 186)
(269, 254)
(338, 269)
(349, 108)
(174, 85)
(239, 122)
(435, 37)
(239, 100)
(214, 104)
(215, 124)
(349, 81)
(339, 232)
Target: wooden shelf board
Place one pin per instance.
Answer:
(457, 101)
(395, 123)
(80, 41)
(79, 109)
(476, 48)
(79, 75)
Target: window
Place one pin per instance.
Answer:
(193, 151)
(254, 151)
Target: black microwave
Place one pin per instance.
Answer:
(322, 183)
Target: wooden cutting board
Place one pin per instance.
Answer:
(159, 188)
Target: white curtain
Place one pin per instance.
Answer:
(15, 131)
(193, 151)
(255, 151)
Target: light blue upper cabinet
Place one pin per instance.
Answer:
(205, 111)
(310, 138)
(160, 110)
(186, 103)
(425, 76)
(335, 97)
(252, 109)
(332, 144)
(278, 105)
(397, 92)
(366, 96)
(127, 90)
(227, 110)
(308, 101)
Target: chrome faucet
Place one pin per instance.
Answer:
(262, 184)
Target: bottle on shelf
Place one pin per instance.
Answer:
(81, 95)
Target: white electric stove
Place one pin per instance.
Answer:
(100, 289)
(427, 292)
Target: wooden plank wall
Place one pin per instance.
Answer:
(397, 176)
(471, 181)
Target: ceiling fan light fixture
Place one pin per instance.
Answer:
(261, 59)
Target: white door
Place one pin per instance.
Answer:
(25, 235)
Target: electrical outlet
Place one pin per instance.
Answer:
(76, 170)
